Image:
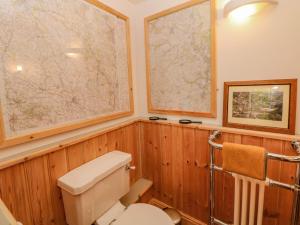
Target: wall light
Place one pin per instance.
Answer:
(19, 68)
(241, 10)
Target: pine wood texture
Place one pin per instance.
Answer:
(175, 157)
(184, 150)
(29, 188)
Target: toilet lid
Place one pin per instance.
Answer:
(143, 214)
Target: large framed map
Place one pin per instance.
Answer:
(180, 57)
(63, 65)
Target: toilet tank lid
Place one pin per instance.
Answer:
(86, 176)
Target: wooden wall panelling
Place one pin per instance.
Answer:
(146, 151)
(131, 135)
(271, 205)
(188, 170)
(38, 179)
(174, 157)
(115, 140)
(287, 175)
(177, 166)
(156, 151)
(90, 149)
(29, 189)
(166, 163)
(189, 152)
(250, 140)
(152, 157)
(57, 167)
(14, 193)
(201, 179)
(75, 155)
(102, 145)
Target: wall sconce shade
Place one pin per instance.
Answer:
(242, 9)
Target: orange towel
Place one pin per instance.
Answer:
(245, 160)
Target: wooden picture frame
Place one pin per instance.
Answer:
(58, 129)
(211, 113)
(262, 105)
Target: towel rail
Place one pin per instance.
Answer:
(285, 158)
(269, 182)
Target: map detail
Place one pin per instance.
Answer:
(180, 59)
(60, 62)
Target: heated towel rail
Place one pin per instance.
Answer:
(295, 187)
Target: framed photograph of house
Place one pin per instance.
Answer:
(267, 105)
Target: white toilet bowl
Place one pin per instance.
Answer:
(136, 214)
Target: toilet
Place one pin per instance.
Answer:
(91, 195)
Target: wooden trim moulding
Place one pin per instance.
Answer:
(58, 130)
(263, 134)
(147, 20)
(34, 153)
(8, 142)
(38, 152)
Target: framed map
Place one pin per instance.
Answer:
(63, 65)
(180, 57)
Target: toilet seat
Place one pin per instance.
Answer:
(143, 214)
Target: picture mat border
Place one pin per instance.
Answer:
(147, 20)
(264, 88)
(11, 141)
(292, 106)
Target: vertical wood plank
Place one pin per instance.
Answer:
(156, 151)
(112, 141)
(188, 170)
(115, 140)
(37, 173)
(287, 175)
(90, 149)
(57, 167)
(102, 145)
(147, 152)
(166, 163)
(177, 167)
(75, 156)
(251, 140)
(201, 179)
(130, 146)
(271, 205)
(15, 194)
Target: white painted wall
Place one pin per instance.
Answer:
(266, 47)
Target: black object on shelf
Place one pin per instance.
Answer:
(184, 121)
(157, 118)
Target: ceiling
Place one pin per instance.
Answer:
(136, 1)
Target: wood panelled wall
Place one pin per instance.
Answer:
(176, 158)
(29, 188)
